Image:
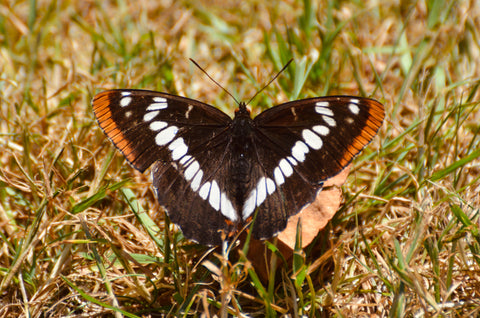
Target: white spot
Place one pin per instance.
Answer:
(354, 101)
(261, 191)
(166, 135)
(349, 120)
(214, 197)
(156, 106)
(249, 205)
(312, 139)
(279, 179)
(322, 130)
(292, 161)
(158, 125)
(150, 115)
(159, 100)
(323, 110)
(299, 150)
(330, 121)
(196, 181)
(125, 101)
(128, 114)
(327, 113)
(270, 186)
(227, 208)
(204, 190)
(184, 160)
(322, 104)
(354, 108)
(126, 93)
(191, 170)
(178, 148)
(286, 168)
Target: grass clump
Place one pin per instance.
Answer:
(83, 235)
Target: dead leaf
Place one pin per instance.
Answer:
(316, 215)
(313, 218)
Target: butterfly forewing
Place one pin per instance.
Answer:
(212, 173)
(141, 123)
(334, 129)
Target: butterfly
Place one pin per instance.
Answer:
(212, 173)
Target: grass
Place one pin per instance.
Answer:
(81, 231)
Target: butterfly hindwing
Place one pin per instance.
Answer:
(199, 218)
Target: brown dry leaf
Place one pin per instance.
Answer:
(314, 218)
(316, 215)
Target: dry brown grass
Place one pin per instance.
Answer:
(407, 245)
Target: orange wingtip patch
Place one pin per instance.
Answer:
(106, 122)
(102, 112)
(101, 100)
(120, 142)
(373, 123)
(130, 154)
(112, 130)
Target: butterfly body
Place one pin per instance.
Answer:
(212, 173)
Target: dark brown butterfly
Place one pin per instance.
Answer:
(212, 172)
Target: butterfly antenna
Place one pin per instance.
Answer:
(205, 72)
(274, 78)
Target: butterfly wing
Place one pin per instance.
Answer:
(299, 145)
(186, 140)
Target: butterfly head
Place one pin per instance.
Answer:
(242, 110)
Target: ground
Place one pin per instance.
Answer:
(82, 234)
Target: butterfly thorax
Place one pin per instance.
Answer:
(241, 146)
